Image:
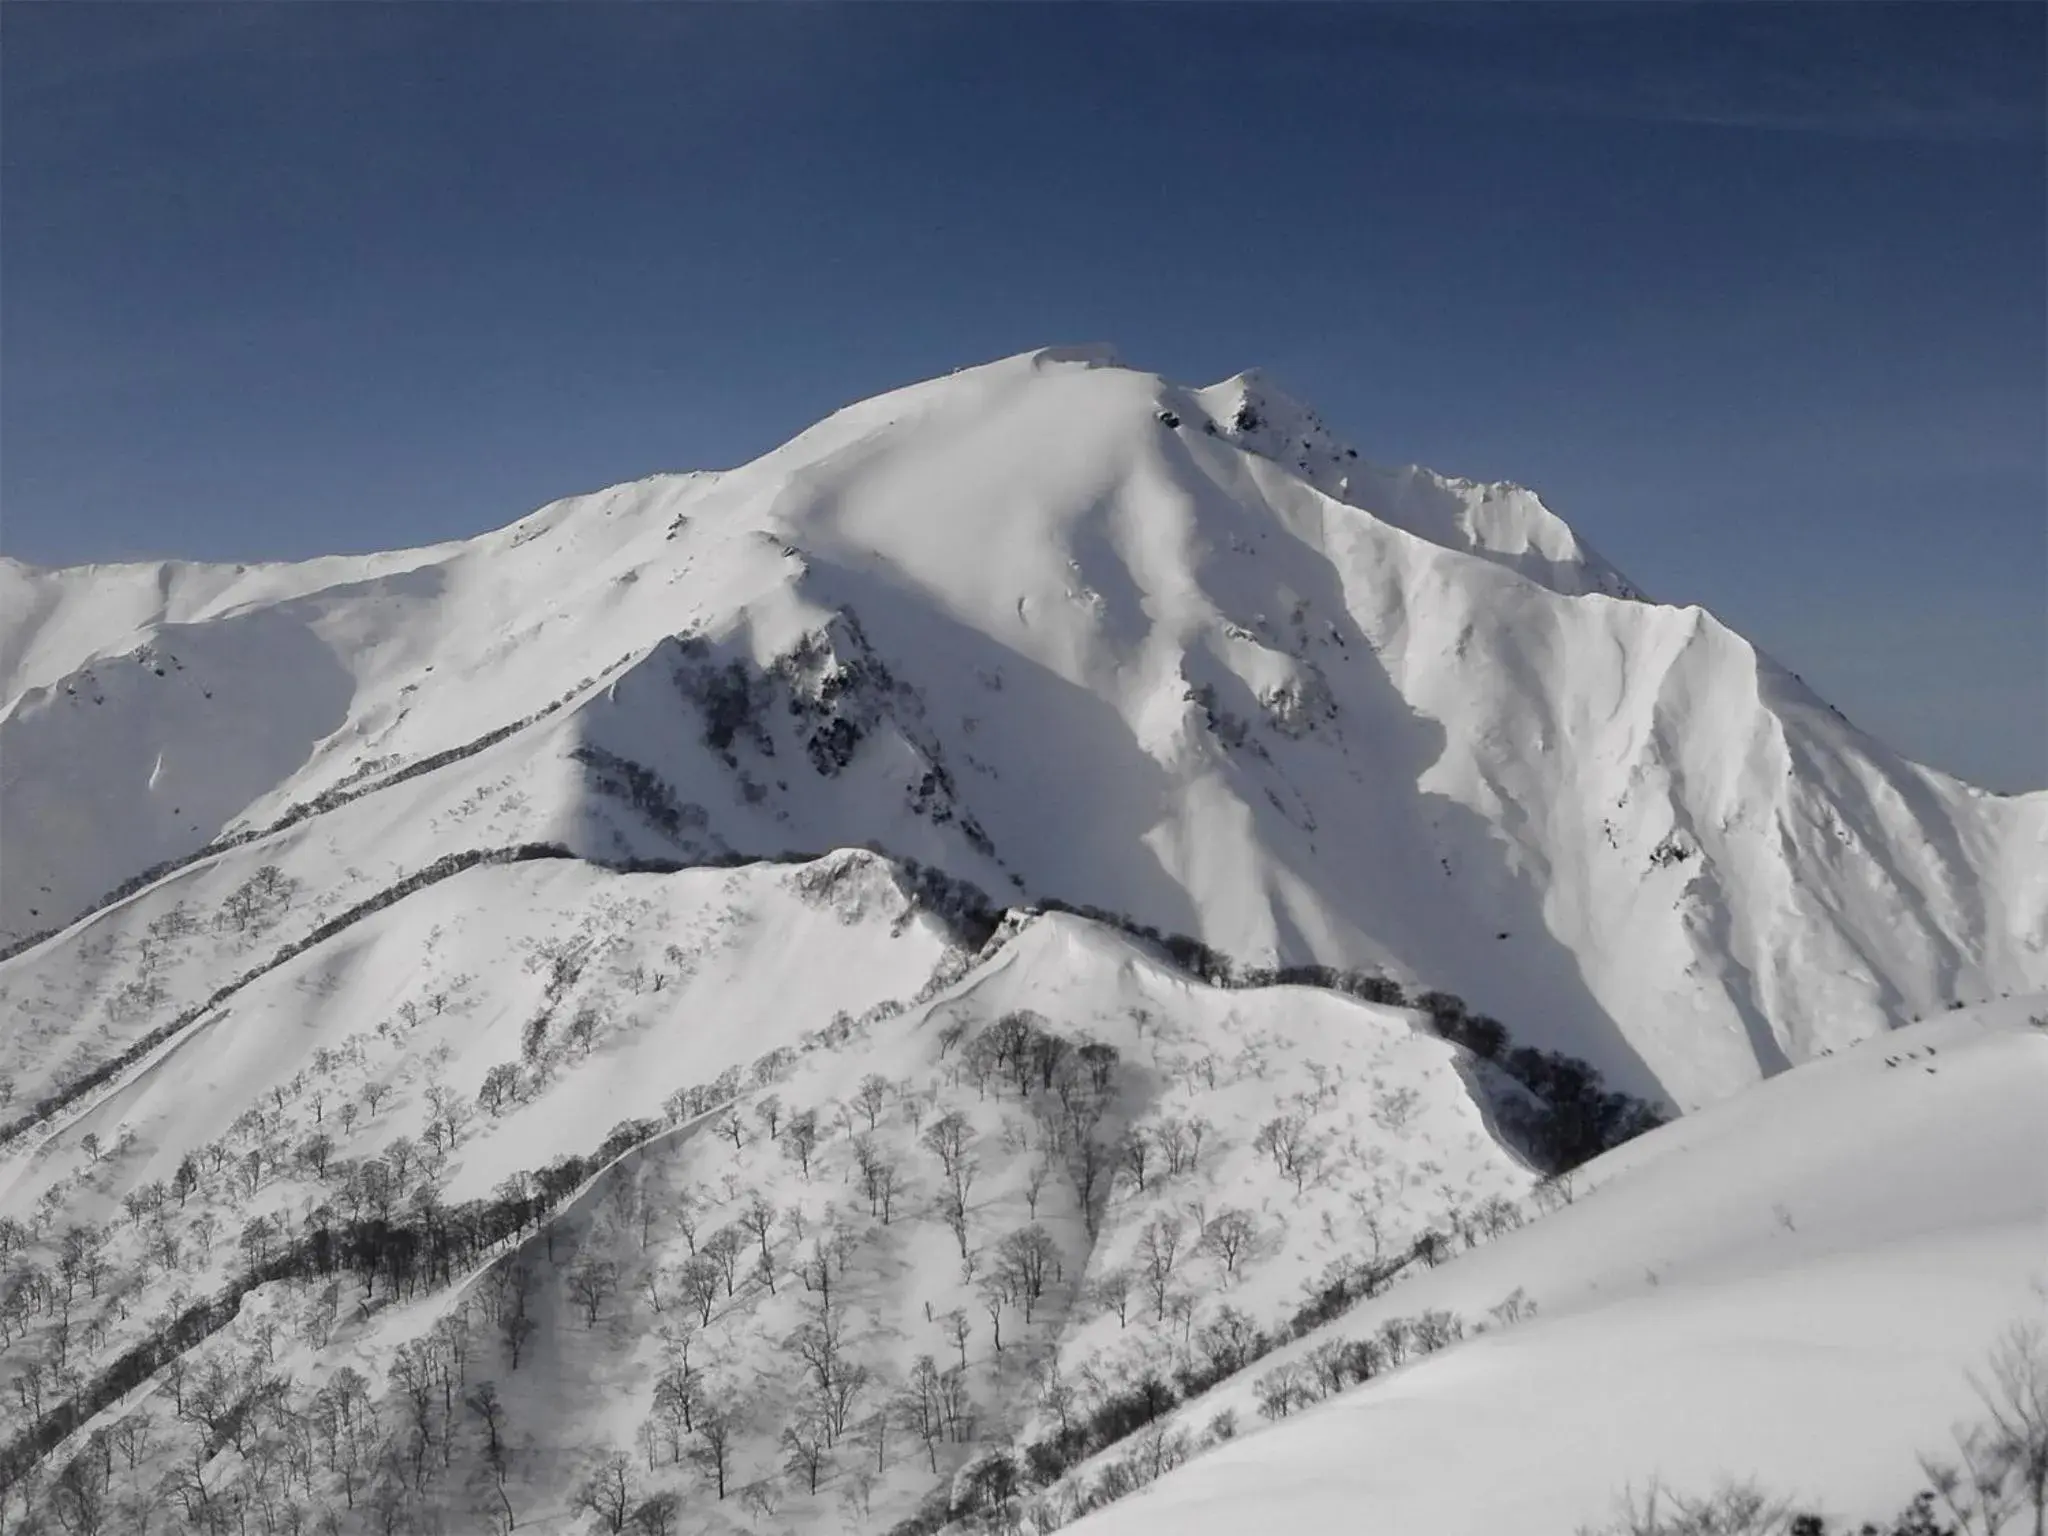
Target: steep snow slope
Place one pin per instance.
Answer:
(680, 974)
(358, 1071)
(1792, 1285)
(137, 682)
(1067, 629)
(905, 1279)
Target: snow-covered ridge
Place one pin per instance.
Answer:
(483, 1032)
(1067, 629)
(1505, 523)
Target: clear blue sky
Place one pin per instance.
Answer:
(1753, 294)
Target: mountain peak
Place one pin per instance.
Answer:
(1092, 354)
(1323, 711)
(1500, 522)
(1037, 766)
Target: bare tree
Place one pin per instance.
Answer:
(872, 1098)
(1110, 1291)
(608, 1491)
(758, 1220)
(723, 1250)
(699, 1286)
(1229, 1236)
(1296, 1153)
(1025, 1259)
(1159, 1250)
(1281, 1390)
(2003, 1459)
(80, 1494)
(2015, 1397)
(401, 1157)
(1159, 1449)
(1134, 1155)
(953, 1199)
(453, 1337)
(949, 1137)
(1034, 1183)
(878, 1175)
(515, 1315)
(648, 1437)
(712, 1454)
(500, 1087)
(1180, 1142)
(1517, 1305)
(1733, 1509)
(593, 1282)
(259, 901)
(921, 1407)
(657, 1514)
(1497, 1214)
(1230, 1340)
(652, 1279)
(801, 1139)
(889, 1187)
(1087, 1158)
(583, 1027)
(806, 1443)
(448, 1116)
(994, 1293)
(1431, 1246)
(484, 1403)
(675, 1404)
(133, 1437)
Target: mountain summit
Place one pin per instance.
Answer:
(1066, 630)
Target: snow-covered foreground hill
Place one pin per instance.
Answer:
(1791, 1286)
(1066, 629)
(832, 1101)
(763, 987)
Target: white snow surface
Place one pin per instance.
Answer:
(1063, 629)
(1231, 682)
(1790, 1287)
(803, 980)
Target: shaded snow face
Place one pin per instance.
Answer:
(1064, 628)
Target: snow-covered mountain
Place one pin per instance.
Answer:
(423, 965)
(1066, 629)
